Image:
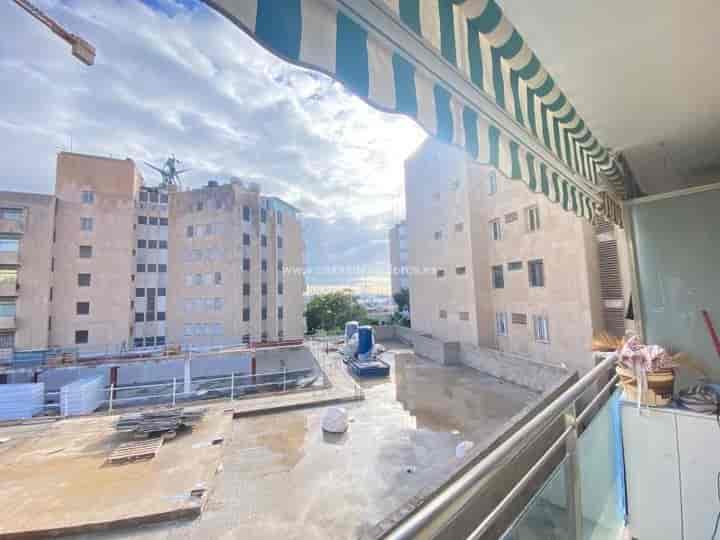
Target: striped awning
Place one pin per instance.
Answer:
(460, 69)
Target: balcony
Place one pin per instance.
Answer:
(7, 323)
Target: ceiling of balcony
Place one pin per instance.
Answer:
(644, 75)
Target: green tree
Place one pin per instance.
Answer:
(331, 311)
(402, 299)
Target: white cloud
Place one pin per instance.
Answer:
(187, 81)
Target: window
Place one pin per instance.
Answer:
(246, 339)
(8, 275)
(160, 315)
(141, 244)
(518, 318)
(150, 316)
(263, 215)
(85, 252)
(160, 340)
(498, 281)
(152, 268)
(218, 304)
(218, 278)
(163, 223)
(532, 215)
(443, 314)
(246, 314)
(7, 308)
(281, 288)
(82, 308)
(139, 268)
(139, 317)
(264, 337)
(149, 341)
(540, 325)
(511, 217)
(263, 314)
(464, 316)
(281, 335)
(188, 329)
(189, 231)
(440, 273)
(199, 206)
(196, 279)
(52, 264)
(246, 239)
(83, 280)
(437, 235)
(515, 265)
(279, 217)
(164, 198)
(492, 183)
(501, 324)
(162, 244)
(496, 229)
(263, 289)
(9, 245)
(162, 291)
(162, 268)
(281, 313)
(51, 294)
(459, 227)
(138, 341)
(263, 240)
(152, 220)
(88, 197)
(280, 265)
(11, 214)
(246, 213)
(536, 273)
(143, 196)
(246, 289)
(139, 293)
(460, 270)
(210, 229)
(263, 265)
(279, 242)
(142, 220)
(246, 264)
(81, 336)
(154, 196)
(86, 224)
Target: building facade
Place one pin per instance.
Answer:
(399, 278)
(237, 258)
(505, 268)
(109, 263)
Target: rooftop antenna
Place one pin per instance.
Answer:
(81, 49)
(169, 171)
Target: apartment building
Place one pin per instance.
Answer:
(94, 266)
(505, 268)
(237, 258)
(26, 229)
(399, 278)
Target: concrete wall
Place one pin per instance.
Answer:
(114, 183)
(399, 278)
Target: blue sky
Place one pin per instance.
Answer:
(173, 76)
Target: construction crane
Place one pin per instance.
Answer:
(81, 49)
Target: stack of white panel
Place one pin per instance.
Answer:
(18, 401)
(83, 396)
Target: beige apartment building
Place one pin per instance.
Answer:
(237, 260)
(94, 266)
(497, 266)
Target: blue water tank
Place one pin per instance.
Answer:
(351, 329)
(365, 339)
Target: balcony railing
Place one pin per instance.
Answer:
(582, 497)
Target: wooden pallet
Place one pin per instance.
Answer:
(135, 451)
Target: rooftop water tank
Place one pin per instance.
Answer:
(365, 340)
(351, 329)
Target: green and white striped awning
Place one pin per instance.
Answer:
(460, 69)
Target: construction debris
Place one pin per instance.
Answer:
(135, 451)
(160, 422)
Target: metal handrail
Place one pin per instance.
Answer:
(466, 485)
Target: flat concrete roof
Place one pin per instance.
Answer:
(284, 478)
